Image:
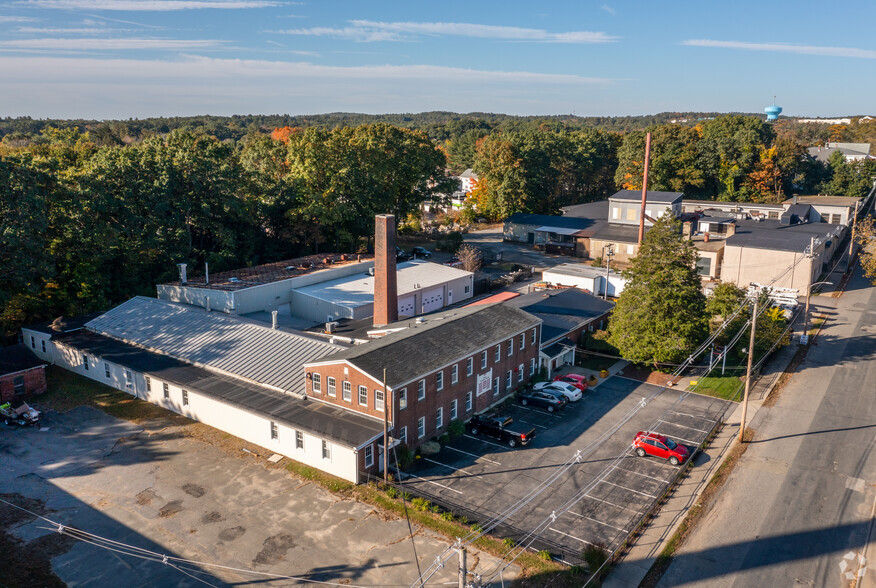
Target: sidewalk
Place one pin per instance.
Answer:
(631, 570)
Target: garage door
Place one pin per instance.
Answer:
(406, 306)
(433, 299)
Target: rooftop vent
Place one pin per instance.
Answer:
(234, 280)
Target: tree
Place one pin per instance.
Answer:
(866, 236)
(660, 316)
(471, 257)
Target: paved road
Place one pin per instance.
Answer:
(799, 507)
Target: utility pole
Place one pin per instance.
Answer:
(852, 241)
(385, 419)
(748, 371)
(644, 188)
(607, 258)
(463, 572)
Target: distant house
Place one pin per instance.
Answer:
(21, 372)
(851, 151)
(456, 200)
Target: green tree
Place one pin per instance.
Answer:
(848, 178)
(660, 316)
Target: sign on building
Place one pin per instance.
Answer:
(485, 382)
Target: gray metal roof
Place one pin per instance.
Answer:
(257, 353)
(651, 196)
(323, 420)
(421, 348)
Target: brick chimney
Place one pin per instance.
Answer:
(385, 285)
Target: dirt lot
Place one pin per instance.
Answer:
(188, 491)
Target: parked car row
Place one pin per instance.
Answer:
(415, 253)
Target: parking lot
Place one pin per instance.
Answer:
(570, 499)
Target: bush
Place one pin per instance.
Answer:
(404, 455)
(598, 262)
(430, 448)
(545, 555)
(509, 542)
(420, 504)
(447, 516)
(456, 428)
(477, 528)
(451, 243)
(462, 519)
(595, 341)
(595, 556)
(444, 439)
(391, 491)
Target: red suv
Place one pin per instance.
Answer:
(575, 379)
(659, 446)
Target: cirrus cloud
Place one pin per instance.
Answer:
(148, 5)
(785, 48)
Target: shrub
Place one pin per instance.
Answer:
(456, 428)
(435, 508)
(447, 516)
(545, 555)
(391, 491)
(444, 439)
(509, 542)
(430, 448)
(420, 504)
(598, 262)
(462, 519)
(477, 528)
(594, 556)
(404, 455)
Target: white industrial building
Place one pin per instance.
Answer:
(586, 277)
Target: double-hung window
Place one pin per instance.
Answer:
(532, 367)
(520, 369)
(166, 391)
(468, 398)
(439, 381)
(85, 362)
(510, 347)
(148, 384)
(185, 397)
(106, 370)
(369, 456)
(421, 427)
(326, 450)
(43, 344)
(522, 341)
(275, 433)
(348, 391)
(378, 400)
(317, 382)
(439, 418)
(403, 435)
(402, 398)
(469, 366)
(454, 374)
(129, 380)
(299, 440)
(421, 390)
(496, 386)
(498, 353)
(363, 396)
(330, 381)
(532, 338)
(453, 409)
(18, 385)
(508, 380)
(32, 342)
(484, 359)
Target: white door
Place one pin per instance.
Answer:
(406, 306)
(433, 299)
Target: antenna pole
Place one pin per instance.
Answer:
(644, 188)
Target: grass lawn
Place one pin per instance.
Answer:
(727, 387)
(595, 362)
(67, 390)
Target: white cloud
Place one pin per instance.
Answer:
(119, 88)
(108, 44)
(785, 48)
(148, 5)
(371, 31)
(609, 9)
(70, 31)
(16, 19)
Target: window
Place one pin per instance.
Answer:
(299, 440)
(836, 219)
(369, 456)
(85, 362)
(510, 347)
(331, 386)
(129, 379)
(439, 381)
(466, 289)
(403, 435)
(453, 409)
(439, 418)
(326, 450)
(520, 373)
(363, 396)
(403, 399)
(185, 397)
(532, 338)
(631, 214)
(498, 353)
(148, 384)
(43, 344)
(454, 374)
(348, 392)
(508, 380)
(496, 386)
(18, 385)
(483, 360)
(106, 370)
(532, 367)
(522, 341)
(615, 212)
(32, 342)
(166, 391)
(421, 427)
(631, 249)
(773, 215)
(275, 433)
(469, 366)
(421, 390)
(378, 400)
(317, 383)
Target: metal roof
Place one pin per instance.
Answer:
(522, 218)
(257, 353)
(556, 230)
(650, 196)
(323, 420)
(578, 270)
(358, 290)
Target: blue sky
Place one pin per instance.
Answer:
(137, 58)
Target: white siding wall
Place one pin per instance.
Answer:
(225, 417)
(37, 347)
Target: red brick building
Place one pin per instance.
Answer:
(439, 368)
(21, 373)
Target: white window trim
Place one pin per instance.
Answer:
(439, 381)
(439, 418)
(510, 347)
(421, 425)
(360, 391)
(469, 366)
(299, 440)
(347, 391)
(421, 390)
(508, 380)
(403, 399)
(379, 400)
(316, 382)
(454, 409)
(484, 359)
(331, 387)
(469, 399)
(497, 357)
(454, 374)
(369, 456)
(520, 372)
(403, 435)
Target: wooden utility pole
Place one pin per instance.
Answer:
(644, 188)
(385, 427)
(463, 572)
(748, 371)
(852, 241)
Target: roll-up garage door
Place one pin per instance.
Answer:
(433, 299)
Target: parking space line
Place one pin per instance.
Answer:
(701, 418)
(641, 474)
(570, 536)
(610, 503)
(436, 483)
(542, 412)
(598, 522)
(448, 466)
(483, 441)
(674, 437)
(628, 489)
(472, 454)
(533, 424)
(685, 427)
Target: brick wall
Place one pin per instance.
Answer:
(34, 383)
(433, 399)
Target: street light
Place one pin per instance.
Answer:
(607, 258)
(804, 339)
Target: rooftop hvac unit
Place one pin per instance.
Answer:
(371, 271)
(330, 327)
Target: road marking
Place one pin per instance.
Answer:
(701, 418)
(542, 412)
(448, 466)
(598, 522)
(472, 454)
(628, 489)
(533, 424)
(436, 483)
(686, 427)
(610, 503)
(640, 474)
(484, 441)
(570, 536)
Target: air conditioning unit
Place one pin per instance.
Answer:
(330, 327)
(371, 271)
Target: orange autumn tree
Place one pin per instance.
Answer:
(283, 133)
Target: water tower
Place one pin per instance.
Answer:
(773, 111)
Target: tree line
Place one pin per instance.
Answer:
(86, 222)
